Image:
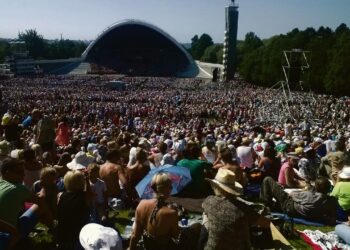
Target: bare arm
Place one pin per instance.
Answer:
(137, 232)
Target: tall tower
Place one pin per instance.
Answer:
(230, 41)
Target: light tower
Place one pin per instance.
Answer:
(230, 41)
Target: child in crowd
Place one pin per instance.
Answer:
(99, 192)
(341, 191)
(74, 207)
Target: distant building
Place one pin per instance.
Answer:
(19, 62)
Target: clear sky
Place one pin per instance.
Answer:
(182, 19)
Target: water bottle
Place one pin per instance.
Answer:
(184, 222)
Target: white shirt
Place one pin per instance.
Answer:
(245, 156)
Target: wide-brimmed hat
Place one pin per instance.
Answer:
(80, 161)
(293, 155)
(94, 236)
(345, 173)
(226, 180)
(4, 148)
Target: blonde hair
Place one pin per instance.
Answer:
(74, 181)
(37, 149)
(160, 182)
(93, 167)
(48, 171)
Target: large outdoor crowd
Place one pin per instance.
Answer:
(72, 149)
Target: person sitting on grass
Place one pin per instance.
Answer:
(313, 205)
(158, 222)
(226, 218)
(73, 209)
(341, 191)
(49, 190)
(13, 195)
(99, 191)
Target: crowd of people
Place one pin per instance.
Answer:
(69, 146)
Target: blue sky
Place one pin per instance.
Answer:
(182, 19)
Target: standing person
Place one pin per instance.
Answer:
(73, 209)
(228, 219)
(113, 174)
(45, 133)
(63, 132)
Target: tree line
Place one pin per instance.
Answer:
(40, 48)
(260, 61)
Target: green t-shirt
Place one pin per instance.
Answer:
(342, 192)
(12, 198)
(198, 185)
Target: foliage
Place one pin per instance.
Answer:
(260, 62)
(35, 43)
(39, 48)
(199, 45)
(213, 54)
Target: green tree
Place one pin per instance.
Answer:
(35, 43)
(338, 76)
(4, 50)
(213, 54)
(199, 45)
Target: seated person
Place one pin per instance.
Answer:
(343, 231)
(99, 192)
(136, 172)
(226, 156)
(313, 205)
(341, 191)
(73, 209)
(287, 176)
(157, 222)
(12, 197)
(199, 169)
(49, 189)
(226, 218)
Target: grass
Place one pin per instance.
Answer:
(42, 239)
(298, 243)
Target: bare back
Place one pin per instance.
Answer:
(109, 173)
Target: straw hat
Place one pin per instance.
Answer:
(226, 180)
(345, 173)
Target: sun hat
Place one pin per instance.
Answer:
(226, 180)
(94, 236)
(4, 148)
(80, 161)
(91, 147)
(345, 173)
(293, 155)
(6, 119)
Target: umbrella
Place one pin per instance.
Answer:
(179, 176)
